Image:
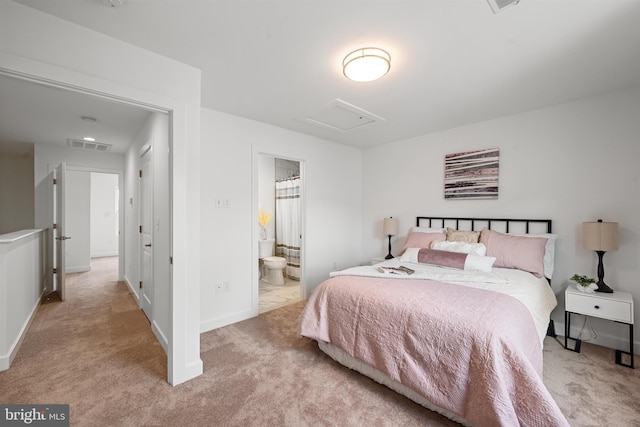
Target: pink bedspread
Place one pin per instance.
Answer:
(470, 351)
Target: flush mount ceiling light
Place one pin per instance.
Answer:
(366, 64)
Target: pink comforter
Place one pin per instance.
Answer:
(470, 351)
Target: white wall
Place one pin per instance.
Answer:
(77, 221)
(22, 271)
(47, 157)
(122, 71)
(230, 152)
(571, 163)
(16, 187)
(104, 215)
(155, 133)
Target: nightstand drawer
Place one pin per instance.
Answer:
(599, 307)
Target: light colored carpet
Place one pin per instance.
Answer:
(97, 353)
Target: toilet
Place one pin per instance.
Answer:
(271, 268)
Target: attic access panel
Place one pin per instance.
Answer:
(342, 117)
(498, 5)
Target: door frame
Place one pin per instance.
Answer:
(183, 352)
(255, 229)
(146, 152)
(58, 245)
(121, 236)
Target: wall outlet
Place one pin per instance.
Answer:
(219, 288)
(225, 286)
(219, 202)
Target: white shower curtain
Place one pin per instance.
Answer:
(288, 226)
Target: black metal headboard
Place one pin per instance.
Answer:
(505, 225)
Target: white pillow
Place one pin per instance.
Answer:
(549, 251)
(462, 247)
(410, 255)
(427, 230)
(479, 263)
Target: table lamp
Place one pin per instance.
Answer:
(600, 237)
(390, 228)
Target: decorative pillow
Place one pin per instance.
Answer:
(462, 247)
(421, 240)
(522, 253)
(462, 236)
(549, 251)
(460, 261)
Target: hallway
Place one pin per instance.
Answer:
(87, 349)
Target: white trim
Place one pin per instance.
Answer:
(80, 269)
(6, 360)
(219, 322)
(183, 355)
(132, 289)
(160, 336)
(256, 152)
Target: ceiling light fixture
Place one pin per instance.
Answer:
(366, 64)
(88, 119)
(90, 139)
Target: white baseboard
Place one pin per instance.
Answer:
(160, 336)
(209, 325)
(5, 360)
(104, 254)
(133, 290)
(186, 373)
(79, 269)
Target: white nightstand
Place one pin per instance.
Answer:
(617, 307)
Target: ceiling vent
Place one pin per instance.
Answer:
(113, 3)
(87, 145)
(498, 5)
(342, 117)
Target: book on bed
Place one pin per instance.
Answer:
(400, 270)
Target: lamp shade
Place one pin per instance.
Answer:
(600, 236)
(390, 226)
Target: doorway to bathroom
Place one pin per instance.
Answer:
(280, 238)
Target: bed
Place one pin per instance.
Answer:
(462, 334)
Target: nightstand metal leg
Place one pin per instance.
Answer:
(567, 329)
(619, 353)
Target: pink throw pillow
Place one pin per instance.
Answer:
(422, 240)
(522, 253)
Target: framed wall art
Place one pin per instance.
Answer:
(472, 174)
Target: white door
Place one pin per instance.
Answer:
(146, 233)
(59, 229)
